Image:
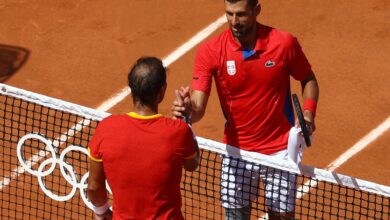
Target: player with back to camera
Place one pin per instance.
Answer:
(141, 154)
(251, 64)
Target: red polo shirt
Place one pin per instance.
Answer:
(253, 86)
(142, 159)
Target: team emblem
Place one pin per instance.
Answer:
(269, 63)
(231, 67)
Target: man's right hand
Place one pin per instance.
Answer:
(181, 107)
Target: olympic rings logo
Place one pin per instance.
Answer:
(64, 168)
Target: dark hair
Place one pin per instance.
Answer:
(146, 78)
(251, 3)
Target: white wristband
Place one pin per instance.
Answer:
(100, 210)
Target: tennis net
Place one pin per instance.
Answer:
(44, 171)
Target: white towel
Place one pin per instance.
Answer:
(296, 144)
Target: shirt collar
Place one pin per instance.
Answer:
(137, 116)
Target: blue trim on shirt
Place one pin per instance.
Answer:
(288, 109)
(247, 53)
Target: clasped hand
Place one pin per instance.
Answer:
(181, 107)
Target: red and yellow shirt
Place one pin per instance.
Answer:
(253, 86)
(142, 159)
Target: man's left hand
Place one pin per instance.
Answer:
(309, 118)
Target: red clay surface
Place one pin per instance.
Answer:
(81, 51)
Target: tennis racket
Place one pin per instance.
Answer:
(301, 119)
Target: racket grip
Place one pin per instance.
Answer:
(301, 119)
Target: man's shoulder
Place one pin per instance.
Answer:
(111, 120)
(113, 117)
(175, 124)
(276, 36)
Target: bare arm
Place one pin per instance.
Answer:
(310, 90)
(97, 193)
(192, 163)
(199, 101)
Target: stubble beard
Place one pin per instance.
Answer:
(242, 33)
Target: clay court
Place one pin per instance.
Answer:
(80, 52)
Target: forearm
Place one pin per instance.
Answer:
(98, 198)
(310, 89)
(198, 105)
(192, 164)
(310, 94)
(97, 194)
(196, 115)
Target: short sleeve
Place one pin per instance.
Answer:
(94, 145)
(204, 67)
(297, 63)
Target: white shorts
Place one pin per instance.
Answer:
(240, 184)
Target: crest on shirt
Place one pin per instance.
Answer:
(231, 67)
(269, 63)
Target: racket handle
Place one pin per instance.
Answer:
(301, 119)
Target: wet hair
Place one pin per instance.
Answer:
(145, 79)
(251, 3)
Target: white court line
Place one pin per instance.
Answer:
(121, 95)
(180, 51)
(356, 148)
(360, 145)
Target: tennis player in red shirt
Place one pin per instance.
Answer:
(141, 154)
(251, 64)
